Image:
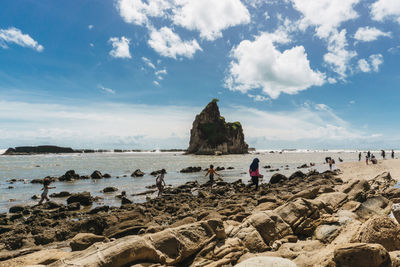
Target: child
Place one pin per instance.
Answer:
(253, 170)
(211, 172)
(160, 181)
(46, 187)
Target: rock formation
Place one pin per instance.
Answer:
(211, 135)
(22, 150)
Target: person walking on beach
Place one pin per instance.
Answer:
(359, 156)
(330, 163)
(366, 160)
(160, 183)
(46, 187)
(211, 172)
(369, 154)
(392, 154)
(254, 173)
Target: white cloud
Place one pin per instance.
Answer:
(105, 89)
(91, 44)
(376, 61)
(120, 47)
(210, 17)
(372, 64)
(364, 65)
(148, 62)
(325, 15)
(338, 57)
(138, 11)
(14, 35)
(386, 9)
(258, 98)
(156, 83)
(90, 26)
(160, 72)
(259, 64)
(369, 34)
(169, 44)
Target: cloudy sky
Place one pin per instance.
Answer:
(134, 73)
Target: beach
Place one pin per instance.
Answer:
(310, 218)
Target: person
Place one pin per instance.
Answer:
(160, 183)
(211, 172)
(369, 154)
(254, 173)
(373, 159)
(392, 154)
(359, 156)
(383, 153)
(330, 163)
(46, 187)
(366, 159)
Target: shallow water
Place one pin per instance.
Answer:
(120, 164)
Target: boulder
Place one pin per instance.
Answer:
(17, 208)
(137, 173)
(109, 189)
(277, 178)
(84, 240)
(356, 189)
(83, 198)
(361, 255)
(191, 169)
(99, 209)
(125, 201)
(74, 206)
(298, 174)
(106, 175)
(69, 176)
(155, 173)
(96, 175)
(210, 133)
(381, 230)
(61, 194)
(265, 261)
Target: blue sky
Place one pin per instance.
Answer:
(133, 73)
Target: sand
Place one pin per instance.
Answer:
(359, 170)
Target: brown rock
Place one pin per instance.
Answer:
(361, 255)
(84, 240)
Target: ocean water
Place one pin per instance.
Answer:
(119, 164)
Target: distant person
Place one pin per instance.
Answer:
(254, 173)
(383, 153)
(392, 154)
(327, 159)
(366, 159)
(330, 164)
(359, 156)
(46, 187)
(369, 154)
(160, 183)
(211, 172)
(373, 159)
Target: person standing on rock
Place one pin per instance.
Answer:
(160, 183)
(254, 173)
(46, 187)
(211, 172)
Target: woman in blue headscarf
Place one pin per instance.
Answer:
(254, 173)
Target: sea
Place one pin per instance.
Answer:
(120, 166)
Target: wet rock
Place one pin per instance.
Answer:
(361, 255)
(137, 173)
(44, 238)
(35, 197)
(230, 168)
(220, 168)
(83, 198)
(125, 201)
(303, 166)
(74, 206)
(297, 174)
(106, 175)
(17, 208)
(267, 167)
(99, 209)
(61, 194)
(96, 175)
(69, 176)
(190, 169)
(155, 173)
(277, 178)
(109, 189)
(51, 205)
(84, 240)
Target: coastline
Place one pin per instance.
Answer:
(312, 215)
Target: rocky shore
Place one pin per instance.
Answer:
(307, 219)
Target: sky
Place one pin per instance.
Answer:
(133, 74)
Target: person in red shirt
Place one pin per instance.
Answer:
(254, 173)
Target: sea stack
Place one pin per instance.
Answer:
(211, 135)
